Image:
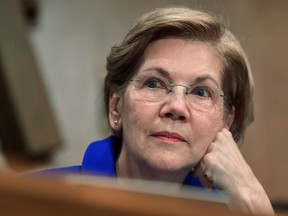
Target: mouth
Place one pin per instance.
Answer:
(168, 136)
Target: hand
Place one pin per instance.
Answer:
(224, 168)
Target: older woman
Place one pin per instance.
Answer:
(178, 95)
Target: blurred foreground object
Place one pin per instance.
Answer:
(28, 129)
(85, 196)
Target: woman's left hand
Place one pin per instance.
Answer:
(224, 168)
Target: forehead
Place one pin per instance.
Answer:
(183, 59)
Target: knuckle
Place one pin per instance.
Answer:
(208, 159)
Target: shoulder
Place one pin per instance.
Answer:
(99, 158)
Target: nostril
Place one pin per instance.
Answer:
(175, 116)
(182, 118)
(169, 115)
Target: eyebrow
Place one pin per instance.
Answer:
(160, 70)
(166, 73)
(206, 77)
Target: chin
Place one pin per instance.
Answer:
(169, 164)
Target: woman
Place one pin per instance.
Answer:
(178, 95)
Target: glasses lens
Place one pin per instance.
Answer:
(154, 87)
(203, 96)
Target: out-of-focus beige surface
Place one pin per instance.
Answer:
(29, 197)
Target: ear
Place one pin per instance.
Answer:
(229, 119)
(115, 111)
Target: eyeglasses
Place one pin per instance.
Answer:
(203, 96)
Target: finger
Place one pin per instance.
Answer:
(203, 175)
(206, 181)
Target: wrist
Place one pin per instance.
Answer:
(252, 200)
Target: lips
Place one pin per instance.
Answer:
(169, 136)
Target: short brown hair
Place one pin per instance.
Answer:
(237, 82)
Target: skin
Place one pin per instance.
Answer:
(206, 145)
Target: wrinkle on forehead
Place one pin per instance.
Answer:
(195, 60)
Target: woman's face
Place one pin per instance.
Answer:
(170, 134)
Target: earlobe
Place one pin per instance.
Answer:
(115, 111)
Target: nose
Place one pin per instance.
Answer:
(175, 106)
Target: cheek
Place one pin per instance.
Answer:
(137, 118)
(206, 126)
(135, 114)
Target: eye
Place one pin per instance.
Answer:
(202, 91)
(153, 83)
